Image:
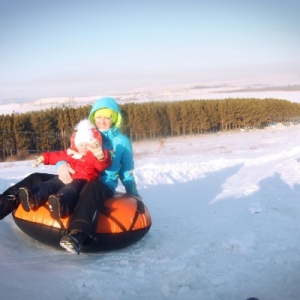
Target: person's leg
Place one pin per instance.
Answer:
(42, 191)
(89, 204)
(29, 181)
(84, 220)
(63, 202)
(9, 198)
(36, 196)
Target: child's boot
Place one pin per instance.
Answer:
(26, 199)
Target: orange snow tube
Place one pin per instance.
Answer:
(125, 220)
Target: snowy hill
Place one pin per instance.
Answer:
(213, 91)
(225, 211)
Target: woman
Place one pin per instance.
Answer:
(106, 115)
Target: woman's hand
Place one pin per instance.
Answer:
(64, 172)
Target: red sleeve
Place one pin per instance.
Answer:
(51, 158)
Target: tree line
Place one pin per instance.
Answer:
(23, 134)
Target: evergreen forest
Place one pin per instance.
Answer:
(24, 135)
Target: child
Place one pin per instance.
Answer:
(86, 158)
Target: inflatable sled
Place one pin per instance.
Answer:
(125, 220)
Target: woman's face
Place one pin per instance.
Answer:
(103, 122)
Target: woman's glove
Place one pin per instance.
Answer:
(38, 161)
(96, 149)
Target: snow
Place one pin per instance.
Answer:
(216, 90)
(225, 211)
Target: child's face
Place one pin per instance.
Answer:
(82, 148)
(103, 122)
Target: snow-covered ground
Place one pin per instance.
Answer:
(225, 211)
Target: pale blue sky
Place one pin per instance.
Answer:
(84, 48)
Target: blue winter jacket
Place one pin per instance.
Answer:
(121, 150)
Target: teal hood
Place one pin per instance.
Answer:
(106, 102)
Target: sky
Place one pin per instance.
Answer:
(82, 48)
(225, 225)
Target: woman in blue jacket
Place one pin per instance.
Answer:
(106, 115)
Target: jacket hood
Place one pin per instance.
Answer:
(106, 102)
